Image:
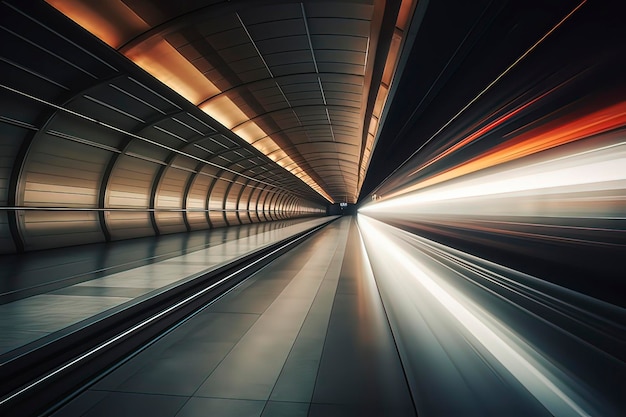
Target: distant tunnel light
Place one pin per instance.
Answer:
(545, 387)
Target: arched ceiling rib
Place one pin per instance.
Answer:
(285, 76)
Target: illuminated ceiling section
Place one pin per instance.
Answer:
(292, 79)
(116, 23)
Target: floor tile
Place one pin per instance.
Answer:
(81, 404)
(198, 346)
(285, 409)
(221, 407)
(122, 404)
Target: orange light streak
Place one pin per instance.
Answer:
(483, 130)
(474, 136)
(487, 88)
(551, 135)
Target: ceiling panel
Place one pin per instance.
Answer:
(276, 29)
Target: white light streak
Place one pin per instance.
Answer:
(522, 190)
(544, 386)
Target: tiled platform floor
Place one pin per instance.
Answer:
(306, 335)
(69, 285)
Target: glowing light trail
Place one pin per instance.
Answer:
(479, 133)
(554, 134)
(514, 355)
(525, 190)
(487, 88)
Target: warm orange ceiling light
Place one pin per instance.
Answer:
(112, 21)
(162, 61)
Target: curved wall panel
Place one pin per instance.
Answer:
(278, 208)
(261, 204)
(169, 200)
(197, 202)
(297, 207)
(231, 202)
(128, 197)
(253, 202)
(60, 173)
(289, 207)
(243, 206)
(271, 206)
(284, 205)
(217, 198)
(11, 138)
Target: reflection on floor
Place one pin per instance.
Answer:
(44, 292)
(374, 321)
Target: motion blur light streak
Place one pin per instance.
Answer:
(537, 381)
(535, 141)
(397, 256)
(508, 191)
(521, 247)
(495, 81)
(557, 214)
(480, 132)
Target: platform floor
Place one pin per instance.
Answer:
(376, 321)
(306, 335)
(46, 292)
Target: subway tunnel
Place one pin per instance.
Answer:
(313, 208)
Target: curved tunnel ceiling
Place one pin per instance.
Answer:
(95, 149)
(302, 82)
